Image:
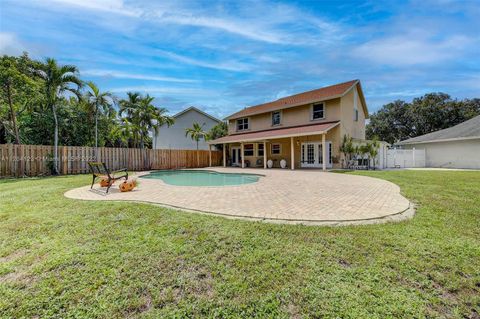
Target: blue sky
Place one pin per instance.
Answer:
(222, 56)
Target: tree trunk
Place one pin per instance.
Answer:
(12, 114)
(96, 136)
(55, 141)
(198, 157)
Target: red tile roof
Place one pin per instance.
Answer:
(309, 129)
(321, 94)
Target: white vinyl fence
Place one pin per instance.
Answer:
(400, 158)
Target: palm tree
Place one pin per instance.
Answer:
(373, 150)
(151, 118)
(363, 150)
(196, 133)
(347, 149)
(142, 116)
(97, 102)
(57, 83)
(129, 107)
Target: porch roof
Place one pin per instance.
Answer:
(304, 130)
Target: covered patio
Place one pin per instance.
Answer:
(306, 146)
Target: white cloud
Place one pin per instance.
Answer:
(112, 6)
(227, 65)
(249, 30)
(409, 49)
(136, 76)
(165, 90)
(279, 23)
(10, 44)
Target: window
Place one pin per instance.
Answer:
(276, 117)
(355, 115)
(242, 124)
(276, 149)
(248, 150)
(318, 111)
(260, 150)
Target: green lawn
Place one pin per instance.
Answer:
(66, 258)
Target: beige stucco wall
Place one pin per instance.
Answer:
(453, 154)
(298, 115)
(355, 129)
(333, 136)
(339, 109)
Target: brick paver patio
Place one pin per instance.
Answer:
(300, 196)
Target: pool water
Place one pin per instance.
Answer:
(202, 178)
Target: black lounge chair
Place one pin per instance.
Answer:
(100, 170)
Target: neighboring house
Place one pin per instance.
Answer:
(454, 147)
(173, 136)
(304, 129)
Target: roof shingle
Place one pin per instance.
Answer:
(297, 99)
(467, 130)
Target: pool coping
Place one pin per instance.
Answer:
(199, 170)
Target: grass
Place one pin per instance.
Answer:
(63, 258)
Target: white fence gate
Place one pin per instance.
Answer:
(400, 158)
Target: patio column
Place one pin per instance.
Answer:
(264, 155)
(292, 153)
(224, 155)
(241, 154)
(324, 153)
(210, 155)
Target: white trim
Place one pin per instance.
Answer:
(253, 149)
(324, 103)
(441, 140)
(271, 148)
(258, 149)
(238, 152)
(245, 129)
(271, 118)
(316, 154)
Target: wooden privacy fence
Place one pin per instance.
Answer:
(37, 160)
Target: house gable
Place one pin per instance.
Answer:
(173, 137)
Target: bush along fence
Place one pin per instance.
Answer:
(38, 160)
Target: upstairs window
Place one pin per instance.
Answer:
(355, 115)
(248, 150)
(242, 124)
(318, 111)
(276, 117)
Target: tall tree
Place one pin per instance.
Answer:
(399, 120)
(197, 133)
(98, 102)
(142, 116)
(58, 81)
(18, 90)
(151, 118)
(129, 111)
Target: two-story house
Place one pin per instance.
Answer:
(304, 130)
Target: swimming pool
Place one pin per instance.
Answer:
(202, 178)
